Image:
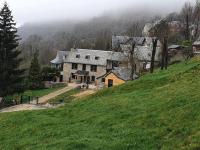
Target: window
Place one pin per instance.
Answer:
(115, 64)
(73, 76)
(84, 67)
(93, 78)
(110, 82)
(103, 80)
(87, 57)
(97, 58)
(78, 56)
(74, 66)
(144, 66)
(93, 68)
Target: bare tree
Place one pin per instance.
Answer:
(135, 29)
(196, 17)
(165, 49)
(161, 30)
(132, 60)
(187, 13)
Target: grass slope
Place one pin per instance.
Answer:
(43, 92)
(159, 111)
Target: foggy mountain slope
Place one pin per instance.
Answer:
(45, 29)
(95, 33)
(117, 20)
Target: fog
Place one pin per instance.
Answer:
(32, 11)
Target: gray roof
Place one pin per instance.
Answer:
(144, 53)
(197, 42)
(122, 73)
(137, 40)
(103, 56)
(175, 46)
(117, 41)
(60, 57)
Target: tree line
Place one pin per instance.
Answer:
(13, 78)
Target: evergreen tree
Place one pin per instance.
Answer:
(11, 77)
(35, 77)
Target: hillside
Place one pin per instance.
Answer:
(158, 111)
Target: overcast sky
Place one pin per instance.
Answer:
(26, 11)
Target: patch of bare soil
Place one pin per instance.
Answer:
(22, 107)
(84, 93)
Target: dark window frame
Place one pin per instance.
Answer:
(93, 68)
(103, 80)
(87, 57)
(84, 67)
(78, 56)
(74, 66)
(93, 78)
(73, 76)
(97, 58)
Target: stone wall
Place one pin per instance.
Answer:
(67, 71)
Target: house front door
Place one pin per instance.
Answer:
(110, 83)
(61, 78)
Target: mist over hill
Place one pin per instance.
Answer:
(119, 18)
(95, 33)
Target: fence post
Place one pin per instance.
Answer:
(37, 100)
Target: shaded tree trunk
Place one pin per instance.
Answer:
(187, 34)
(132, 62)
(163, 57)
(187, 15)
(154, 41)
(164, 62)
(166, 52)
(197, 28)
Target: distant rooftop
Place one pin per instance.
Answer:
(122, 73)
(87, 56)
(175, 46)
(60, 57)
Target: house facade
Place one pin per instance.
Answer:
(59, 60)
(85, 66)
(90, 66)
(58, 63)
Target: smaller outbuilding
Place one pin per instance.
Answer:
(196, 47)
(117, 76)
(58, 61)
(177, 53)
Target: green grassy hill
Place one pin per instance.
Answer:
(158, 111)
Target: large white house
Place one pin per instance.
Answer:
(84, 65)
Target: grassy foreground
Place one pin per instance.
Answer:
(159, 111)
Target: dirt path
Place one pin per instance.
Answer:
(43, 100)
(21, 107)
(84, 93)
(46, 98)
